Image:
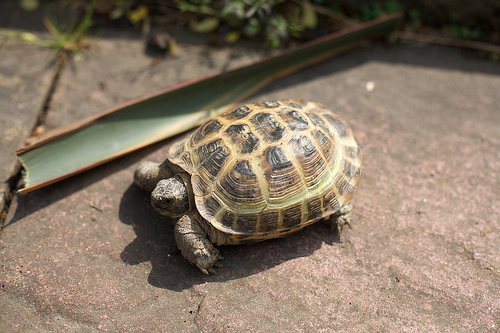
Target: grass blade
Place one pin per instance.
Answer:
(138, 123)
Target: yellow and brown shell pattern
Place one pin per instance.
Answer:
(268, 169)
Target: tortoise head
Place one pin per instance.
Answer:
(171, 196)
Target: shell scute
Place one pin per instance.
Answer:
(301, 144)
(238, 113)
(269, 221)
(268, 104)
(283, 179)
(295, 105)
(343, 186)
(277, 158)
(208, 128)
(316, 119)
(331, 201)
(348, 169)
(228, 220)
(242, 138)
(212, 206)
(212, 159)
(240, 186)
(268, 127)
(206, 150)
(314, 167)
(292, 215)
(325, 143)
(338, 124)
(314, 208)
(295, 120)
(352, 152)
(247, 223)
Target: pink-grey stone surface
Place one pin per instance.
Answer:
(90, 253)
(25, 80)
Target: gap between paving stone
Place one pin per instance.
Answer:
(25, 63)
(62, 59)
(14, 181)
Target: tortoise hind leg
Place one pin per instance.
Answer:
(340, 218)
(192, 235)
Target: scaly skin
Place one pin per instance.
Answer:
(195, 238)
(148, 174)
(341, 218)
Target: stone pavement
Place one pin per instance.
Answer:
(90, 253)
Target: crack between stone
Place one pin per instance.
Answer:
(197, 313)
(62, 58)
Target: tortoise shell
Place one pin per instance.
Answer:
(268, 169)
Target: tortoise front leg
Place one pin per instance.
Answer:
(149, 173)
(192, 236)
(340, 218)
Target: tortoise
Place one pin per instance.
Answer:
(257, 172)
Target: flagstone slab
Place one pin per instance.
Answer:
(91, 254)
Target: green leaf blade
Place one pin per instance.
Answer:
(147, 120)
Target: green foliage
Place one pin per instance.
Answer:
(465, 32)
(276, 30)
(392, 6)
(378, 9)
(30, 5)
(120, 8)
(264, 18)
(196, 6)
(69, 39)
(74, 37)
(415, 18)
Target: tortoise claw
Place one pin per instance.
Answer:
(211, 270)
(208, 271)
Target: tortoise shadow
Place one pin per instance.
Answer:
(155, 243)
